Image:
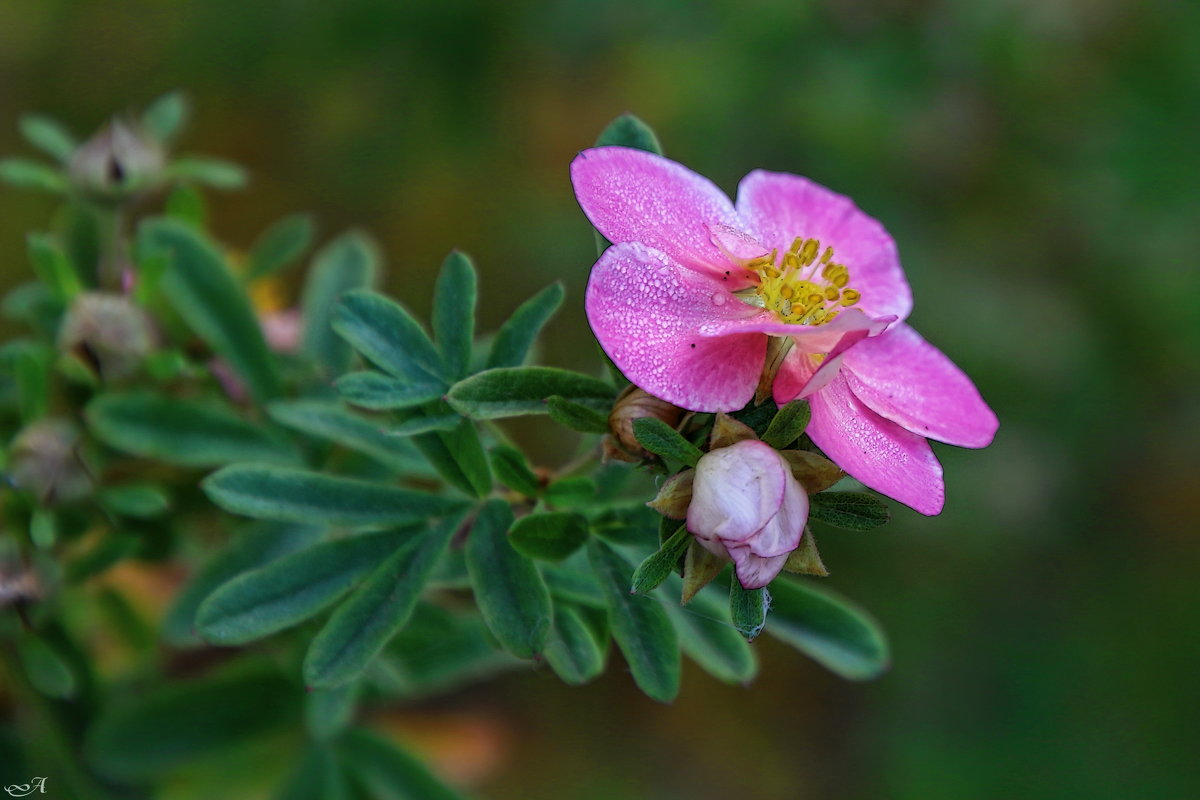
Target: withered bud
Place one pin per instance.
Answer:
(815, 472)
(675, 495)
(634, 404)
(107, 333)
(119, 161)
(44, 460)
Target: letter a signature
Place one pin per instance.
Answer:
(25, 789)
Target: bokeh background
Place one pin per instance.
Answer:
(1038, 163)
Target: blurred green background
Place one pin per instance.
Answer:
(1037, 163)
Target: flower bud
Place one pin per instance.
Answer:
(634, 404)
(748, 507)
(107, 333)
(45, 462)
(117, 162)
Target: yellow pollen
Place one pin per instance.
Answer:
(805, 286)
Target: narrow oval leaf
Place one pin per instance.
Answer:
(166, 116)
(380, 392)
(576, 416)
(251, 548)
(318, 777)
(828, 628)
(458, 456)
(349, 262)
(291, 589)
(707, 635)
(661, 439)
(628, 130)
(214, 172)
(388, 335)
(640, 626)
(140, 500)
(186, 204)
(552, 536)
(361, 626)
(212, 302)
(516, 336)
(328, 712)
(387, 772)
(46, 670)
(575, 653)
(788, 424)
(454, 312)
(417, 425)
(329, 420)
(748, 609)
(662, 563)
(856, 511)
(513, 471)
(280, 245)
(182, 432)
(508, 587)
(53, 267)
(293, 495)
(48, 135)
(146, 734)
(25, 174)
(516, 391)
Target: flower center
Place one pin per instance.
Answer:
(805, 287)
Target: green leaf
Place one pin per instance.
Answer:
(516, 336)
(253, 547)
(707, 635)
(576, 416)
(388, 335)
(788, 424)
(508, 587)
(166, 116)
(458, 456)
(182, 432)
(516, 391)
(454, 312)
(329, 420)
(291, 589)
(513, 471)
(49, 136)
(349, 262)
(52, 267)
(292, 495)
(748, 609)
(187, 205)
(318, 777)
(574, 652)
(212, 302)
(661, 439)
(828, 628)
(639, 625)
(280, 245)
(662, 563)
(551, 535)
(387, 772)
(380, 392)
(45, 668)
(212, 172)
(628, 130)
(422, 424)
(362, 625)
(139, 500)
(148, 733)
(856, 511)
(25, 174)
(328, 712)
(574, 492)
(31, 371)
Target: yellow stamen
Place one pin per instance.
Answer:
(796, 294)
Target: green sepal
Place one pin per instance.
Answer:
(661, 563)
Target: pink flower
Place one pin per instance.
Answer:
(685, 300)
(747, 506)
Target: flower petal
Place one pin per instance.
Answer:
(782, 534)
(904, 378)
(809, 338)
(635, 196)
(737, 491)
(755, 571)
(646, 311)
(777, 207)
(876, 451)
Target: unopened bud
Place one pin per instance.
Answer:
(107, 333)
(119, 161)
(634, 404)
(44, 460)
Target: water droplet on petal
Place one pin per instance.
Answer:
(718, 298)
